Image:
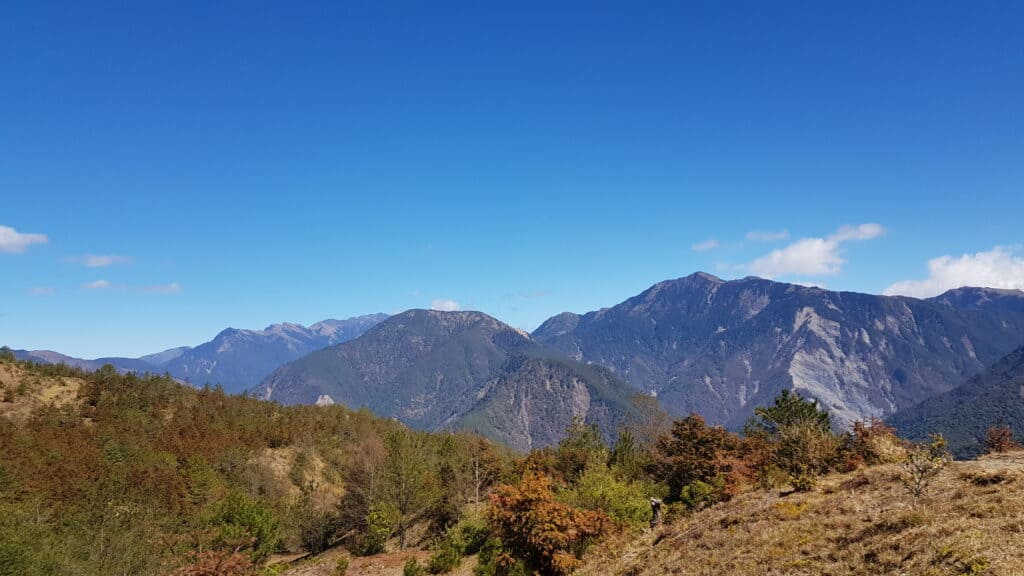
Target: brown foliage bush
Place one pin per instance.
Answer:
(535, 528)
(874, 442)
(695, 452)
(217, 563)
(999, 439)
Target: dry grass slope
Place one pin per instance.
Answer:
(21, 392)
(970, 522)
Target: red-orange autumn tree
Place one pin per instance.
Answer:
(538, 530)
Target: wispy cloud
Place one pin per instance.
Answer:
(813, 256)
(767, 235)
(42, 291)
(14, 242)
(96, 285)
(1000, 267)
(98, 260)
(172, 288)
(445, 305)
(709, 244)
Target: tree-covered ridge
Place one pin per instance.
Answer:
(994, 397)
(141, 475)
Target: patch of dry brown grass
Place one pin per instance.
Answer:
(971, 521)
(21, 392)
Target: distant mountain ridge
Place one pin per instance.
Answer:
(239, 359)
(720, 348)
(436, 370)
(236, 359)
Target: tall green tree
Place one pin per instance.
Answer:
(410, 482)
(788, 409)
(581, 446)
(800, 436)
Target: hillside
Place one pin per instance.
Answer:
(993, 397)
(103, 473)
(722, 347)
(448, 370)
(23, 392)
(861, 523)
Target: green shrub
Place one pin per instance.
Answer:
(464, 539)
(241, 520)
(622, 500)
(315, 529)
(494, 560)
(470, 534)
(413, 568)
(379, 525)
(698, 494)
(445, 559)
(341, 567)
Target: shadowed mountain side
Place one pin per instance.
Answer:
(964, 414)
(437, 370)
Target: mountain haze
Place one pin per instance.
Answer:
(437, 370)
(721, 348)
(239, 359)
(235, 359)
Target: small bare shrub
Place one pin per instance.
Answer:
(922, 464)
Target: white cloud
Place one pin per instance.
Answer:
(767, 235)
(709, 244)
(43, 291)
(12, 241)
(172, 288)
(98, 260)
(1000, 267)
(96, 285)
(813, 256)
(861, 232)
(445, 305)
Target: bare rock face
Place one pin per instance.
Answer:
(722, 348)
(447, 370)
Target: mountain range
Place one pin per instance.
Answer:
(235, 359)
(437, 370)
(721, 348)
(699, 344)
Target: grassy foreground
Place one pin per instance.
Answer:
(971, 521)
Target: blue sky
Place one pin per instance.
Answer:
(173, 169)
